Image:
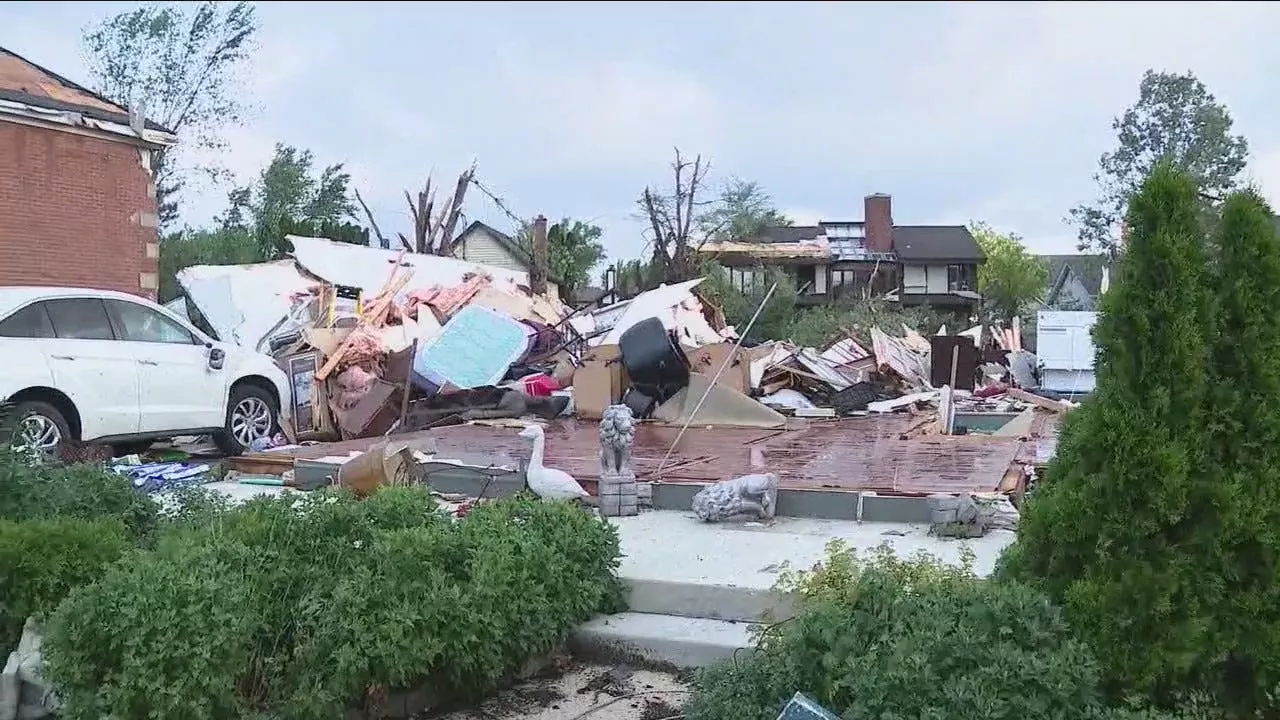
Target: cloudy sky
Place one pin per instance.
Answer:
(961, 111)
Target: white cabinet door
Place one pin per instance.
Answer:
(178, 389)
(99, 374)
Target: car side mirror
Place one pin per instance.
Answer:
(217, 357)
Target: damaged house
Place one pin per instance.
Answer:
(484, 244)
(935, 265)
(1075, 281)
(76, 189)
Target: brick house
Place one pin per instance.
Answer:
(934, 265)
(77, 199)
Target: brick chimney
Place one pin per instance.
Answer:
(538, 273)
(877, 214)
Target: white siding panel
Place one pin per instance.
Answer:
(481, 247)
(914, 280)
(937, 284)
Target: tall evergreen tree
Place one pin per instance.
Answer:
(1242, 538)
(1107, 533)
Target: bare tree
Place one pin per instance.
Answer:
(675, 218)
(383, 241)
(432, 231)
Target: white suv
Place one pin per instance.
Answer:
(101, 366)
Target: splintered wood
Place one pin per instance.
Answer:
(373, 318)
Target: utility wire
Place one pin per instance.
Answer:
(521, 224)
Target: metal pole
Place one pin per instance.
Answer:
(728, 359)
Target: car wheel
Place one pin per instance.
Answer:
(40, 427)
(251, 414)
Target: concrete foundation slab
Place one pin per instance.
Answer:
(675, 547)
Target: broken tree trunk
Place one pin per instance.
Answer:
(432, 231)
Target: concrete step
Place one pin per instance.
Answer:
(665, 641)
(735, 603)
(696, 588)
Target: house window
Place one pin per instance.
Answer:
(960, 278)
(843, 278)
(885, 279)
(745, 279)
(806, 279)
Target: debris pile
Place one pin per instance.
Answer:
(379, 344)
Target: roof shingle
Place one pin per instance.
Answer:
(26, 82)
(936, 242)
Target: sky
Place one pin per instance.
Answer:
(960, 111)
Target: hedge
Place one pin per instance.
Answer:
(60, 527)
(887, 638)
(293, 607)
(48, 489)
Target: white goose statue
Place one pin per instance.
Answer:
(548, 483)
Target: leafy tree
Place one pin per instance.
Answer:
(743, 211)
(1011, 278)
(1113, 532)
(180, 63)
(1243, 490)
(573, 250)
(630, 277)
(1175, 119)
(288, 199)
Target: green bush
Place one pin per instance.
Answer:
(60, 527)
(47, 490)
(911, 638)
(41, 561)
(294, 607)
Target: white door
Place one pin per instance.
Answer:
(98, 373)
(179, 391)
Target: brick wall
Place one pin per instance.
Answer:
(75, 211)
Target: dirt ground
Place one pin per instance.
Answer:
(586, 692)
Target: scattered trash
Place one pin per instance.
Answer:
(23, 690)
(152, 478)
(803, 707)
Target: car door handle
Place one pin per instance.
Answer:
(63, 357)
(148, 362)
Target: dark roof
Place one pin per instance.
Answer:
(796, 233)
(21, 81)
(935, 242)
(786, 234)
(1088, 268)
